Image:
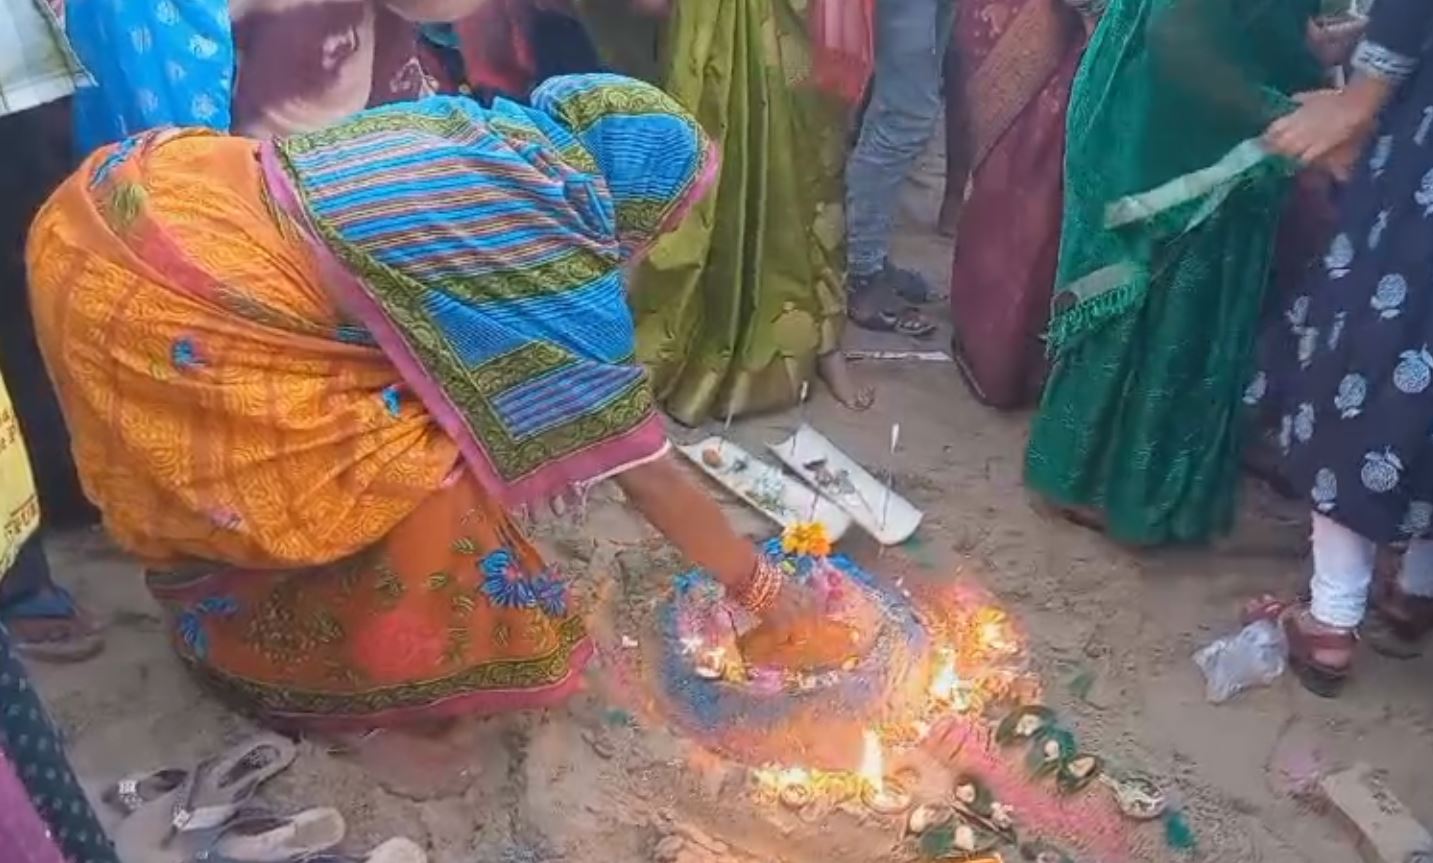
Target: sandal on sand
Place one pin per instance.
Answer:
(1322, 679)
(49, 626)
(909, 322)
(217, 787)
(172, 826)
(138, 789)
(397, 850)
(262, 837)
(873, 305)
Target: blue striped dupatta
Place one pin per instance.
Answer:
(484, 249)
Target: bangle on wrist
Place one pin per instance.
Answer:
(762, 588)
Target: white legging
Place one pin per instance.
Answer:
(1343, 572)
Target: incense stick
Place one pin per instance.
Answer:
(725, 430)
(800, 417)
(890, 479)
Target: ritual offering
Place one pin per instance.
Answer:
(882, 513)
(765, 487)
(804, 693)
(879, 703)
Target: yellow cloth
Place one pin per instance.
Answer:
(218, 410)
(19, 508)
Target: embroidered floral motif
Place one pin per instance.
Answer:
(185, 355)
(504, 583)
(391, 400)
(551, 594)
(191, 622)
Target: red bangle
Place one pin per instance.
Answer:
(763, 587)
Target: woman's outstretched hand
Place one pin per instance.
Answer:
(795, 607)
(1329, 128)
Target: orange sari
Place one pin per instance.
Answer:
(224, 409)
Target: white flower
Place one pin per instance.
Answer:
(1424, 196)
(1298, 312)
(1381, 471)
(1388, 297)
(1421, 136)
(1255, 391)
(141, 39)
(1336, 330)
(1382, 150)
(1325, 490)
(1308, 341)
(1380, 224)
(1304, 423)
(203, 107)
(203, 47)
(1352, 391)
(1340, 255)
(1414, 371)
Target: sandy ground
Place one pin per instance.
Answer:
(578, 785)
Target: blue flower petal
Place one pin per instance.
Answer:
(390, 400)
(551, 596)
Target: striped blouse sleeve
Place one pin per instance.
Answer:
(1399, 31)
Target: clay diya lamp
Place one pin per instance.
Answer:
(1078, 772)
(1050, 750)
(1024, 723)
(959, 839)
(927, 817)
(974, 800)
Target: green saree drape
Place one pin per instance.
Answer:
(1154, 320)
(734, 307)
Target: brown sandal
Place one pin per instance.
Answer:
(1400, 622)
(1321, 679)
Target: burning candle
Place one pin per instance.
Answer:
(879, 793)
(993, 633)
(946, 687)
(711, 663)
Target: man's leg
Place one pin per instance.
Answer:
(42, 617)
(911, 38)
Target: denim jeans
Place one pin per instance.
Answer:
(911, 38)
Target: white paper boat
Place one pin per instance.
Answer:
(849, 485)
(768, 488)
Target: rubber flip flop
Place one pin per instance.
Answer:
(217, 787)
(397, 850)
(267, 838)
(127, 795)
(50, 627)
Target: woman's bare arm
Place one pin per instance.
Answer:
(686, 515)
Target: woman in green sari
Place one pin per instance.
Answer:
(1163, 263)
(737, 308)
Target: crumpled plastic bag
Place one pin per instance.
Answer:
(1254, 656)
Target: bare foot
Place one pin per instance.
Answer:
(836, 372)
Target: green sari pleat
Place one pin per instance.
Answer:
(1154, 323)
(734, 307)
